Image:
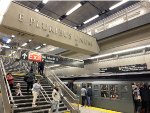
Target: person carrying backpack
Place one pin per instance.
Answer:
(29, 78)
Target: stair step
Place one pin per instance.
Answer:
(25, 109)
(44, 111)
(28, 96)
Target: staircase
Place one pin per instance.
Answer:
(24, 103)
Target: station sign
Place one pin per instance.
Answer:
(124, 69)
(52, 59)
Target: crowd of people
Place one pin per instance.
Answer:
(141, 97)
(33, 86)
(86, 95)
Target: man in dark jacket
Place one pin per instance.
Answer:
(41, 67)
(30, 77)
(89, 95)
(145, 92)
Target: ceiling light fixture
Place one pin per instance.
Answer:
(12, 36)
(44, 44)
(36, 10)
(30, 40)
(14, 52)
(119, 52)
(73, 9)
(5, 46)
(89, 20)
(8, 41)
(45, 1)
(24, 44)
(118, 4)
(58, 20)
(19, 48)
(38, 47)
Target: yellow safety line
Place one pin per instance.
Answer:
(98, 109)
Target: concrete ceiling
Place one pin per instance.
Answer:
(56, 9)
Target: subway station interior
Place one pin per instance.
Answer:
(75, 56)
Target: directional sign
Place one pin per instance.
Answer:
(24, 54)
(63, 60)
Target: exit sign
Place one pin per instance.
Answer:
(35, 56)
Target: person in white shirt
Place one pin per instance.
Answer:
(56, 99)
(35, 91)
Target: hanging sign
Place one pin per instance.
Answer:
(34, 56)
(123, 69)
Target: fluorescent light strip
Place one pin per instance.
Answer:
(5, 46)
(73, 9)
(14, 52)
(118, 4)
(45, 1)
(8, 41)
(38, 47)
(89, 20)
(24, 44)
(36, 10)
(119, 52)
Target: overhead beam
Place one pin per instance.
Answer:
(19, 19)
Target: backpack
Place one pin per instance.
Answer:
(25, 78)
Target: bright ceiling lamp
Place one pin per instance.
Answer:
(24, 44)
(73, 9)
(118, 4)
(38, 47)
(89, 20)
(36, 10)
(5, 46)
(8, 41)
(45, 1)
(4, 5)
(19, 48)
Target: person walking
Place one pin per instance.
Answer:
(10, 80)
(41, 67)
(89, 95)
(56, 99)
(83, 95)
(137, 100)
(29, 78)
(145, 98)
(36, 91)
(34, 67)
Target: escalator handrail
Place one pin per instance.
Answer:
(61, 94)
(65, 87)
(7, 84)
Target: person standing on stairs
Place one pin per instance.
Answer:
(34, 67)
(35, 91)
(10, 80)
(56, 100)
(30, 80)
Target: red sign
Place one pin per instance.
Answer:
(34, 56)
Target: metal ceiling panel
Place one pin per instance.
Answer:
(60, 7)
(103, 5)
(83, 13)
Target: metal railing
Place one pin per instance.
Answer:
(8, 101)
(69, 98)
(127, 14)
